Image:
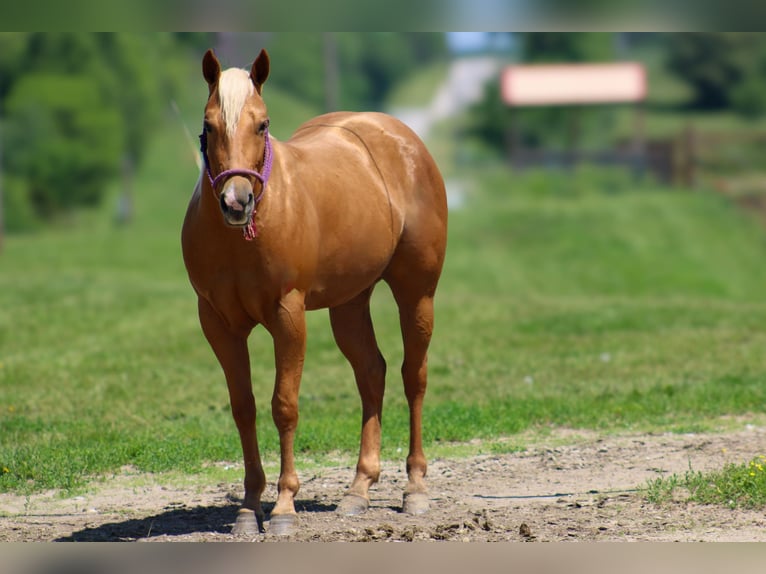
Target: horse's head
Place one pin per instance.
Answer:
(235, 136)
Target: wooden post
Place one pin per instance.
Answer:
(689, 158)
(125, 201)
(573, 137)
(639, 139)
(2, 215)
(331, 72)
(513, 141)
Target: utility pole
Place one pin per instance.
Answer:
(2, 216)
(331, 72)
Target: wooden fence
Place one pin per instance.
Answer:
(730, 161)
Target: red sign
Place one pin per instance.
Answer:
(560, 84)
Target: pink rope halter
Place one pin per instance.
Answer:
(249, 231)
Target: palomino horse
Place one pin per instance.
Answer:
(348, 200)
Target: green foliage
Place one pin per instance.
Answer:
(11, 51)
(139, 84)
(734, 486)
(567, 46)
(491, 120)
(748, 97)
(724, 69)
(370, 65)
(77, 105)
(65, 140)
(297, 65)
(418, 90)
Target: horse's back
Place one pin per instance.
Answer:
(396, 156)
(415, 189)
(376, 191)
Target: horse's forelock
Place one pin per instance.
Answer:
(234, 87)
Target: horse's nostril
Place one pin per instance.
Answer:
(249, 197)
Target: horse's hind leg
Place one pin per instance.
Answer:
(417, 319)
(354, 334)
(412, 275)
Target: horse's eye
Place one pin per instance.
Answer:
(207, 127)
(263, 126)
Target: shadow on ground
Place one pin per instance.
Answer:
(176, 521)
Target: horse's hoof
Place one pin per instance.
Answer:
(352, 504)
(283, 524)
(415, 503)
(248, 523)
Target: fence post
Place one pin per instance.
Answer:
(689, 157)
(638, 151)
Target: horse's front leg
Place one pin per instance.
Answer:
(288, 329)
(231, 351)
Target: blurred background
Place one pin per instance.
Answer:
(78, 110)
(605, 264)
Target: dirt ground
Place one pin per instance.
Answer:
(568, 486)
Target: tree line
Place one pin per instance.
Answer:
(76, 108)
(721, 71)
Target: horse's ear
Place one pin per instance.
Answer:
(260, 70)
(211, 69)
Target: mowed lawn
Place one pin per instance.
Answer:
(579, 300)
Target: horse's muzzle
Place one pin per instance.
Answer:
(237, 201)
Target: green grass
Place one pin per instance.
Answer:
(419, 90)
(582, 301)
(734, 486)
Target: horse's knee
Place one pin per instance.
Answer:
(371, 380)
(244, 413)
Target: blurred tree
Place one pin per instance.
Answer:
(297, 65)
(369, 64)
(12, 46)
(136, 84)
(375, 62)
(200, 41)
(137, 89)
(79, 106)
(65, 140)
(567, 46)
(723, 69)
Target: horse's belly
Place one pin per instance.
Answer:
(352, 252)
(342, 278)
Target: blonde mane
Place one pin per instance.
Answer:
(234, 87)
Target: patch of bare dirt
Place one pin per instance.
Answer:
(584, 489)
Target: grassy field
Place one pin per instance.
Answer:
(583, 300)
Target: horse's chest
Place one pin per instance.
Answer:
(238, 306)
